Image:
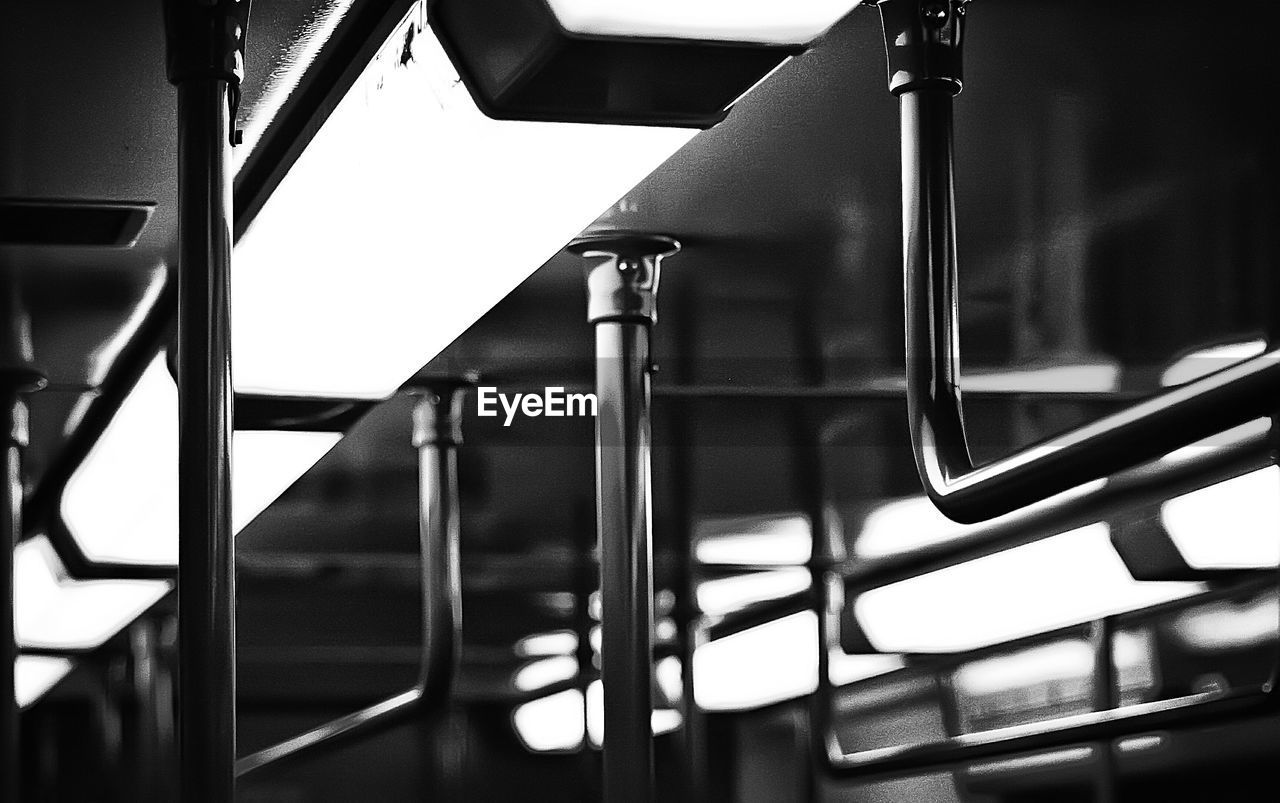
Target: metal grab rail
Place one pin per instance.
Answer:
(923, 40)
(1107, 721)
(437, 435)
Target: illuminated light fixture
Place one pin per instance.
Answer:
(1096, 377)
(551, 724)
(35, 675)
(413, 190)
(1230, 525)
(1044, 663)
(757, 667)
(544, 672)
(1062, 580)
(53, 612)
(782, 540)
(121, 504)
(901, 525)
(668, 673)
(1227, 625)
(1202, 362)
(843, 668)
(543, 645)
(661, 720)
(728, 594)
(646, 62)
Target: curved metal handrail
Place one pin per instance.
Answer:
(924, 58)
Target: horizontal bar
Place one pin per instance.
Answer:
(368, 721)
(263, 412)
(1184, 711)
(760, 613)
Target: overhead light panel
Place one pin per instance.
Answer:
(405, 219)
(1230, 525)
(121, 504)
(54, 612)
(35, 675)
(661, 62)
(767, 540)
(1062, 580)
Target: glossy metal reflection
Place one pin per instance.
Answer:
(206, 568)
(622, 282)
(961, 490)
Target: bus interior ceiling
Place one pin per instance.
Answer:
(1116, 189)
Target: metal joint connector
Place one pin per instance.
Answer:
(923, 41)
(623, 286)
(437, 417)
(205, 39)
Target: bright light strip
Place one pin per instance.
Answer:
(35, 675)
(1203, 362)
(757, 667)
(780, 540)
(542, 645)
(1043, 663)
(1227, 625)
(1096, 377)
(901, 525)
(1065, 579)
(728, 594)
(544, 672)
(122, 502)
(551, 724)
(405, 220)
(843, 668)
(762, 21)
(1230, 525)
(57, 613)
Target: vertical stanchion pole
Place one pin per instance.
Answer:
(437, 433)
(205, 61)
(622, 284)
(17, 378)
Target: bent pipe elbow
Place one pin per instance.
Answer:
(1145, 431)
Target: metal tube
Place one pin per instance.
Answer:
(436, 434)
(626, 571)
(11, 522)
(622, 283)
(206, 567)
(924, 50)
(343, 730)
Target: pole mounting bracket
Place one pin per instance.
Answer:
(923, 41)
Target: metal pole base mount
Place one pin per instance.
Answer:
(623, 285)
(923, 41)
(437, 417)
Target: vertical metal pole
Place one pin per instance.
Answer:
(622, 283)
(205, 61)
(206, 567)
(436, 434)
(1105, 693)
(16, 378)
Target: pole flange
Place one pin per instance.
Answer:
(623, 285)
(437, 417)
(923, 41)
